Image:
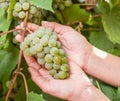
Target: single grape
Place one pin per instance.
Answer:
(54, 36)
(67, 3)
(47, 49)
(61, 52)
(18, 7)
(62, 75)
(48, 58)
(52, 72)
(32, 50)
(21, 14)
(48, 31)
(52, 43)
(61, 6)
(54, 51)
(4, 5)
(38, 47)
(64, 59)
(15, 13)
(58, 44)
(65, 67)
(57, 59)
(56, 76)
(40, 32)
(27, 52)
(35, 40)
(41, 61)
(48, 66)
(44, 41)
(23, 46)
(22, 1)
(41, 54)
(33, 10)
(25, 6)
(56, 66)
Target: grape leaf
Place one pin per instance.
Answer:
(103, 6)
(111, 24)
(118, 95)
(8, 61)
(35, 97)
(100, 40)
(44, 4)
(74, 13)
(1, 12)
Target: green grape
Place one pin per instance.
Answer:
(48, 58)
(2, 1)
(57, 59)
(44, 41)
(23, 46)
(47, 49)
(15, 33)
(61, 52)
(35, 40)
(38, 47)
(62, 75)
(18, 7)
(41, 61)
(40, 32)
(67, 3)
(21, 14)
(53, 36)
(27, 52)
(25, 6)
(30, 16)
(61, 6)
(32, 50)
(52, 72)
(64, 59)
(56, 66)
(58, 44)
(15, 13)
(65, 67)
(54, 51)
(22, 1)
(33, 10)
(4, 5)
(56, 76)
(48, 66)
(35, 20)
(14, 40)
(48, 31)
(41, 54)
(27, 41)
(52, 43)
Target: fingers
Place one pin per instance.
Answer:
(56, 27)
(32, 62)
(30, 26)
(39, 80)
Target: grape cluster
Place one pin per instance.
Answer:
(23, 6)
(61, 4)
(45, 47)
(4, 4)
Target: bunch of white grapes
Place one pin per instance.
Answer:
(4, 4)
(43, 44)
(61, 4)
(23, 6)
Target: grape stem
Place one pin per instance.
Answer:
(10, 31)
(19, 60)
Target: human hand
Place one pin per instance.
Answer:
(75, 45)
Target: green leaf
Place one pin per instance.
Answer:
(115, 52)
(111, 24)
(109, 91)
(8, 61)
(4, 25)
(100, 40)
(44, 4)
(2, 12)
(35, 97)
(118, 95)
(75, 13)
(103, 6)
(10, 9)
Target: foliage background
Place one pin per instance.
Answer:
(100, 26)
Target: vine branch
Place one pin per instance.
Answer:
(19, 59)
